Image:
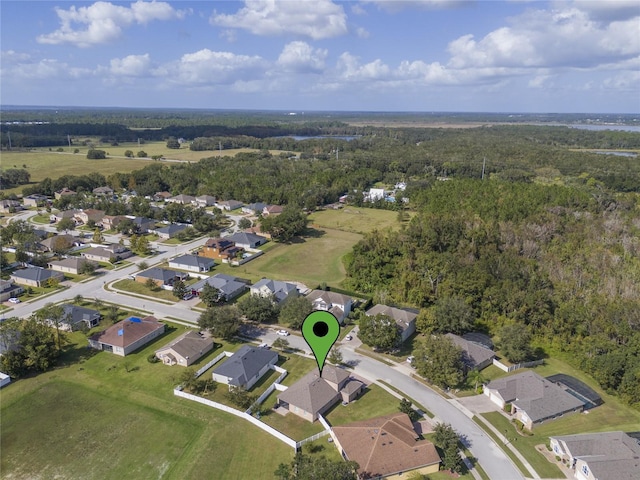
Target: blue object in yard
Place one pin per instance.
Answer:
(135, 319)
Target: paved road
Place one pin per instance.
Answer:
(490, 456)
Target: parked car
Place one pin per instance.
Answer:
(410, 359)
(264, 345)
(14, 300)
(348, 338)
(188, 296)
(283, 333)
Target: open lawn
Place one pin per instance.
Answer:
(374, 402)
(355, 219)
(314, 259)
(105, 416)
(141, 289)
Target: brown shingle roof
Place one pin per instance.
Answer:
(385, 445)
(311, 393)
(126, 332)
(402, 317)
(188, 345)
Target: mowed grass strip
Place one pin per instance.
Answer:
(63, 430)
(355, 219)
(314, 259)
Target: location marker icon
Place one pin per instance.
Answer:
(320, 330)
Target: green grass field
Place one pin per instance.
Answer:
(374, 402)
(104, 416)
(312, 260)
(355, 219)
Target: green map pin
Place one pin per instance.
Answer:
(320, 330)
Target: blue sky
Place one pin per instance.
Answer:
(429, 55)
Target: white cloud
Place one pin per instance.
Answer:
(229, 35)
(300, 57)
(318, 19)
(624, 81)
(609, 10)
(206, 67)
(11, 57)
(131, 66)
(103, 22)
(549, 38)
(362, 32)
(45, 69)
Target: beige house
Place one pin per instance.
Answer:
(36, 277)
(65, 192)
(599, 456)
(336, 303)
(405, 319)
(8, 290)
(83, 216)
(72, 265)
(386, 447)
(533, 399)
(245, 367)
(128, 335)
(313, 394)
(8, 206)
(186, 349)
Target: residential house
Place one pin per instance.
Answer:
(84, 216)
(474, 355)
(256, 230)
(103, 192)
(186, 349)
(108, 254)
(181, 199)
(35, 200)
(272, 210)
(247, 240)
(111, 222)
(170, 231)
(386, 447)
(599, 456)
(229, 205)
(142, 224)
(245, 367)
(128, 335)
(220, 248)
(533, 399)
(192, 263)
(65, 192)
(72, 265)
(204, 201)
(64, 214)
(161, 276)
(9, 206)
(76, 317)
(279, 290)
(313, 394)
(8, 289)
(404, 318)
(59, 243)
(4, 379)
(336, 303)
(254, 208)
(161, 196)
(374, 194)
(229, 286)
(36, 276)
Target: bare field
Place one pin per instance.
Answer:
(355, 219)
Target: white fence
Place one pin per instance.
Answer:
(313, 437)
(274, 385)
(212, 363)
(267, 428)
(511, 368)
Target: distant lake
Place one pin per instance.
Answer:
(619, 154)
(621, 128)
(348, 138)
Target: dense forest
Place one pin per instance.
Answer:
(518, 224)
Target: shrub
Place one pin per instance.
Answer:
(152, 358)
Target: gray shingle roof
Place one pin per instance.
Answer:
(474, 354)
(280, 290)
(538, 397)
(311, 393)
(193, 261)
(244, 238)
(245, 364)
(156, 273)
(229, 285)
(36, 274)
(75, 314)
(171, 229)
(403, 318)
(189, 345)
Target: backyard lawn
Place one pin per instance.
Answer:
(105, 416)
(355, 219)
(374, 402)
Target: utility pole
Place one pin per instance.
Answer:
(9, 135)
(484, 161)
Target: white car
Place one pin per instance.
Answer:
(410, 359)
(264, 345)
(14, 300)
(348, 337)
(283, 333)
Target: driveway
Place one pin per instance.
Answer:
(478, 404)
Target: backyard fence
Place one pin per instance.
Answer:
(274, 385)
(511, 368)
(212, 363)
(313, 437)
(267, 428)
